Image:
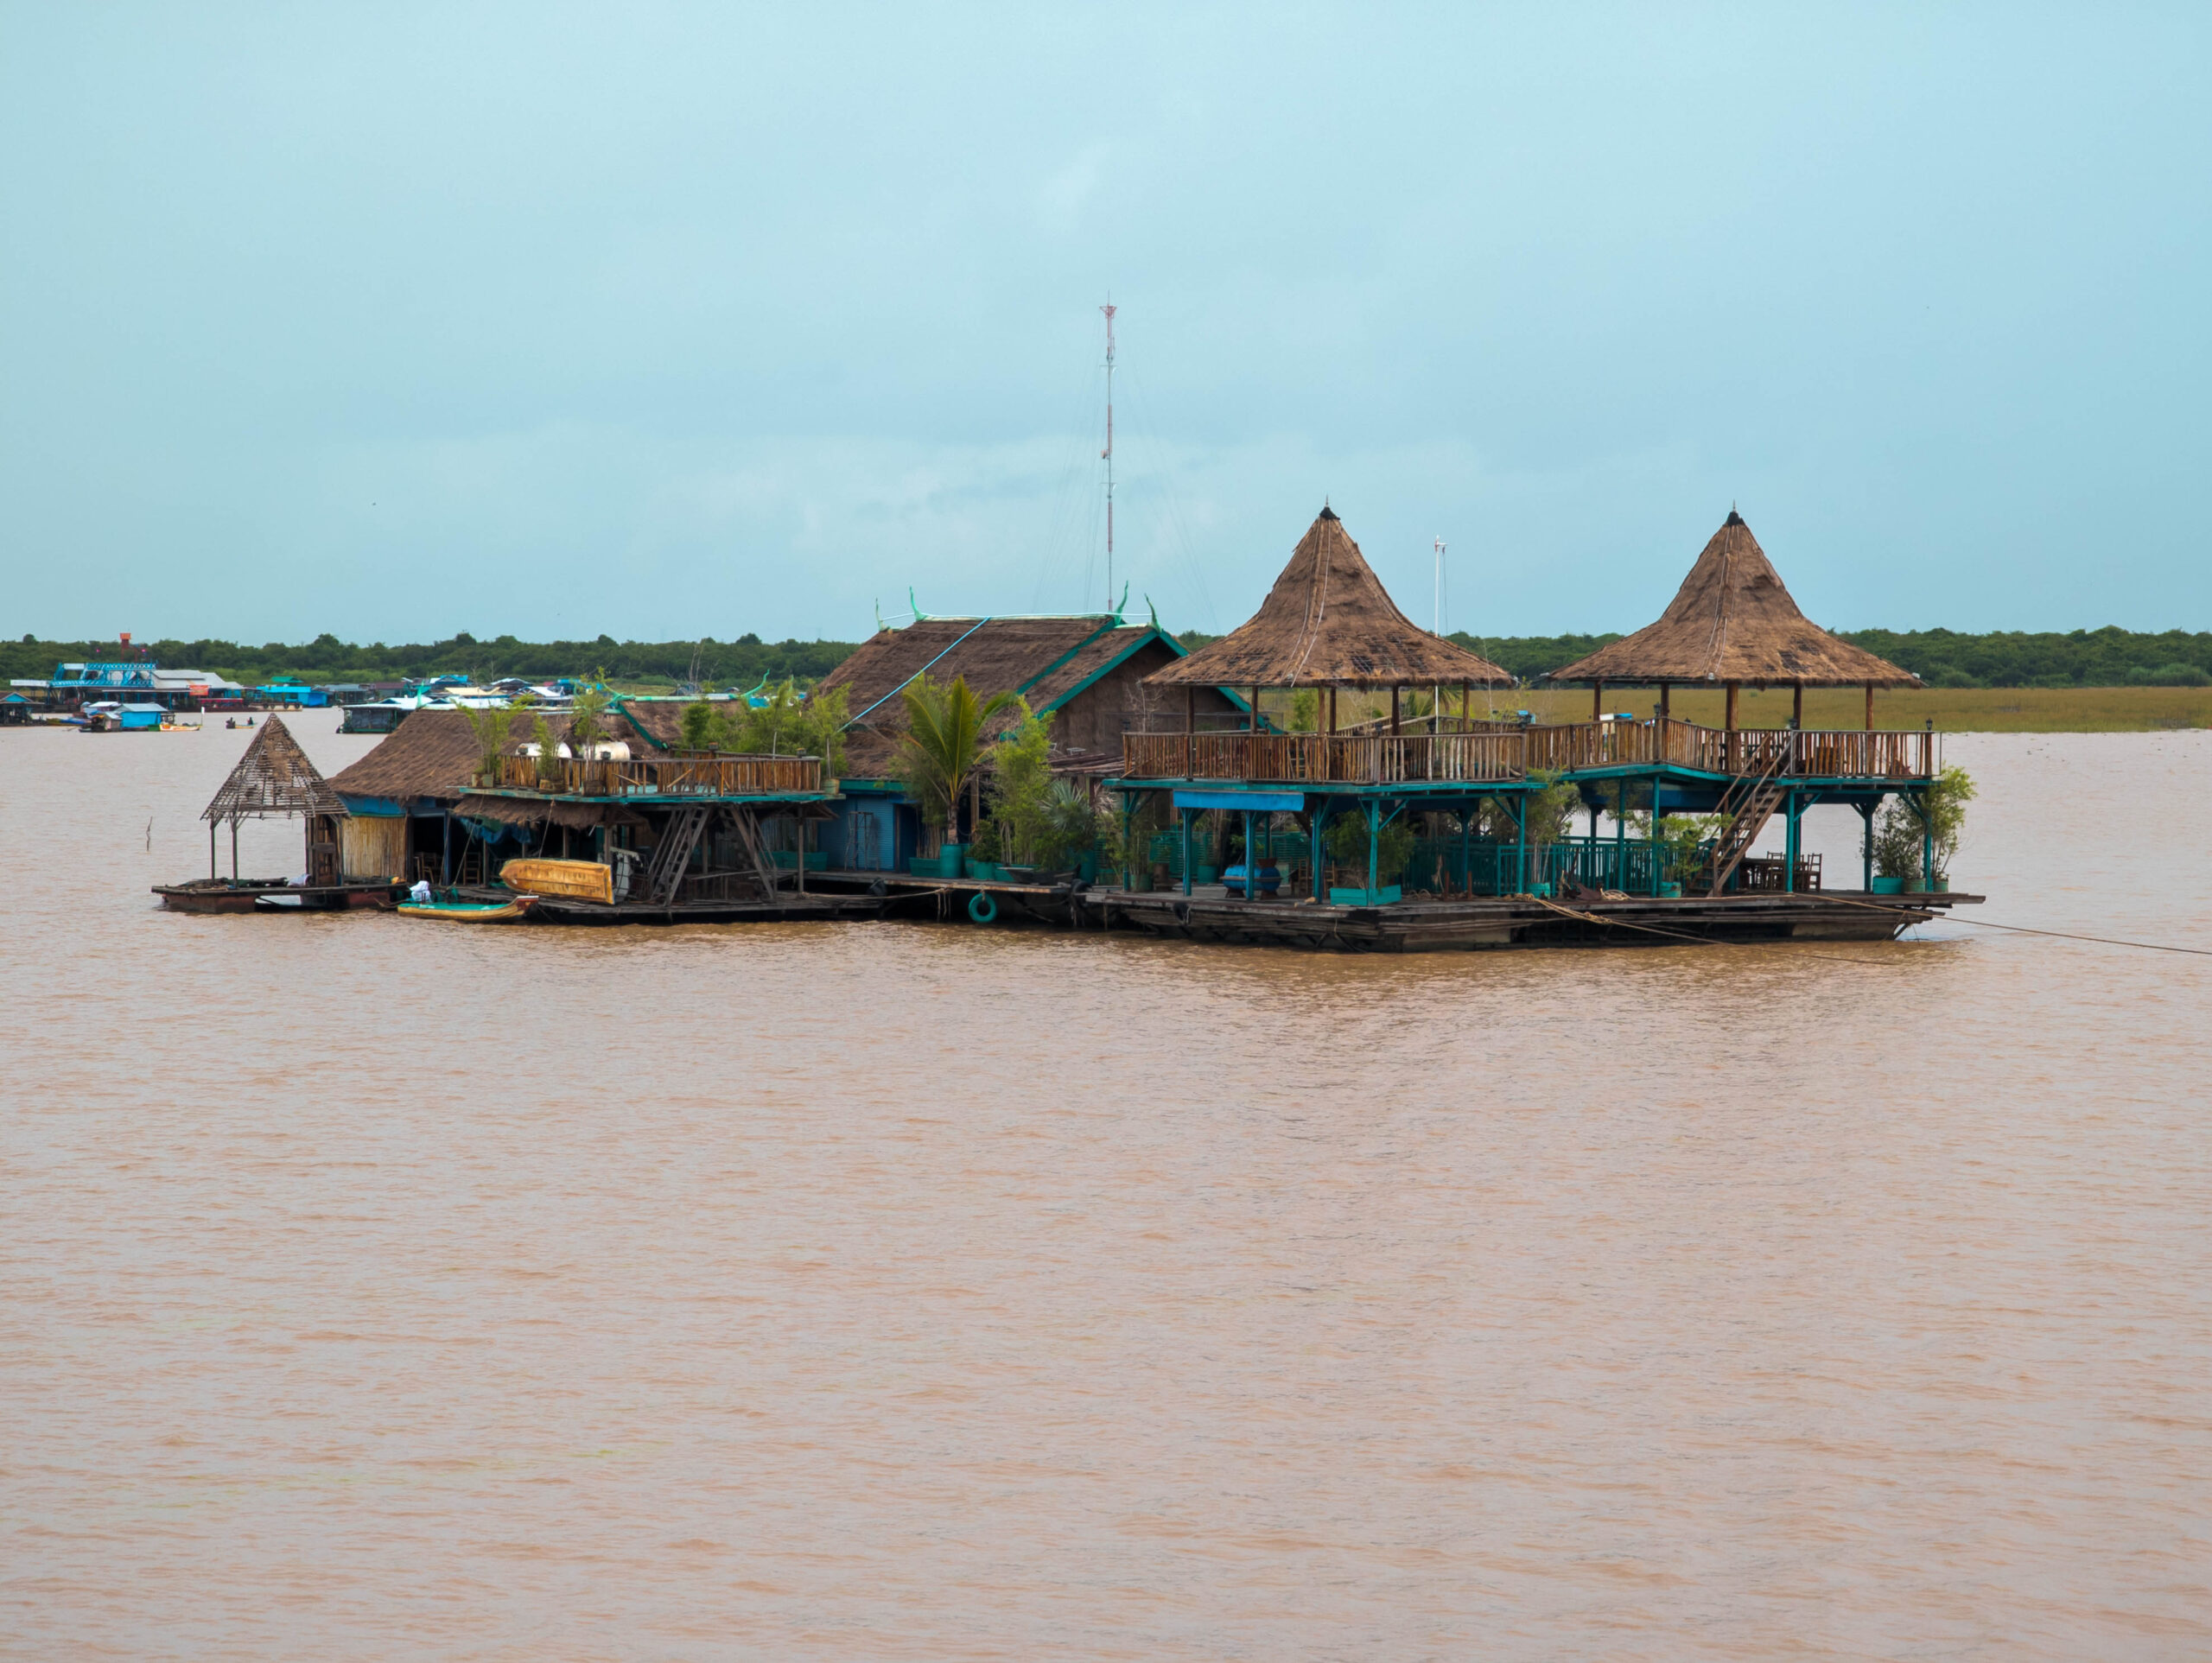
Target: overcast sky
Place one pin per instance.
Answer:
(670, 321)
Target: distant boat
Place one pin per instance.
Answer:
(113, 716)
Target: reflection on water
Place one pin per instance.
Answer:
(881, 1290)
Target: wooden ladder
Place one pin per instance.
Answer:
(1749, 804)
(673, 853)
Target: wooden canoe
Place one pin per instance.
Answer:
(513, 911)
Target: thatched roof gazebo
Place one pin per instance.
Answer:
(1328, 623)
(274, 779)
(1732, 624)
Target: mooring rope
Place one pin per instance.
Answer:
(1694, 941)
(2023, 929)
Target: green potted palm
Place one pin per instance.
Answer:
(942, 752)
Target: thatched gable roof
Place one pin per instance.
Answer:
(1329, 622)
(1733, 621)
(430, 754)
(273, 778)
(1045, 660)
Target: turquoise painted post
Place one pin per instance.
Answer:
(1790, 847)
(1467, 845)
(1927, 847)
(1866, 814)
(1373, 838)
(1653, 851)
(1620, 839)
(1251, 865)
(1320, 826)
(1521, 845)
(1184, 815)
(1128, 831)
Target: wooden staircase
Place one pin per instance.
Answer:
(673, 853)
(1750, 803)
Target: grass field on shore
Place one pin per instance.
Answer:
(1955, 710)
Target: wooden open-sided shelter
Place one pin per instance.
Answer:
(1732, 624)
(274, 779)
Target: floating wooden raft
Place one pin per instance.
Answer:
(575, 880)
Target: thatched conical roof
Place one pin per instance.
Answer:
(1328, 622)
(273, 778)
(1732, 621)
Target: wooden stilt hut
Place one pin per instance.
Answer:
(275, 779)
(1328, 625)
(1732, 625)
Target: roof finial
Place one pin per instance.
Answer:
(1327, 512)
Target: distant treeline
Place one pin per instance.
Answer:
(326, 658)
(2105, 658)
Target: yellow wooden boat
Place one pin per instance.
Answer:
(572, 880)
(513, 911)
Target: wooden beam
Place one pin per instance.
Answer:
(1870, 707)
(1596, 700)
(1797, 707)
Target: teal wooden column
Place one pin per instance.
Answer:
(1927, 847)
(1251, 866)
(1866, 844)
(1184, 815)
(1467, 845)
(1373, 838)
(1790, 847)
(1654, 850)
(1129, 855)
(1521, 846)
(1314, 855)
(1620, 838)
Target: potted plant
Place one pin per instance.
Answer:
(942, 751)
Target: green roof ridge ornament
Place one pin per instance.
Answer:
(915, 607)
(1122, 605)
(1154, 609)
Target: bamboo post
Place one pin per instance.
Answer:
(1596, 700)
(1665, 714)
(1394, 712)
(1797, 706)
(1866, 814)
(235, 854)
(211, 851)
(1870, 707)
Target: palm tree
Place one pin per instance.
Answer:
(943, 744)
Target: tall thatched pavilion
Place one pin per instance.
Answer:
(1733, 624)
(1327, 623)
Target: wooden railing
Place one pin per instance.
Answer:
(707, 776)
(1513, 752)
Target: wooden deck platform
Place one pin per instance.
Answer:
(785, 908)
(1212, 915)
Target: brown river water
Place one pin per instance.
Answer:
(376, 1289)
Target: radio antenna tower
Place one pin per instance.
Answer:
(1439, 628)
(1108, 455)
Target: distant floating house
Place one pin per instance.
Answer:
(1089, 670)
